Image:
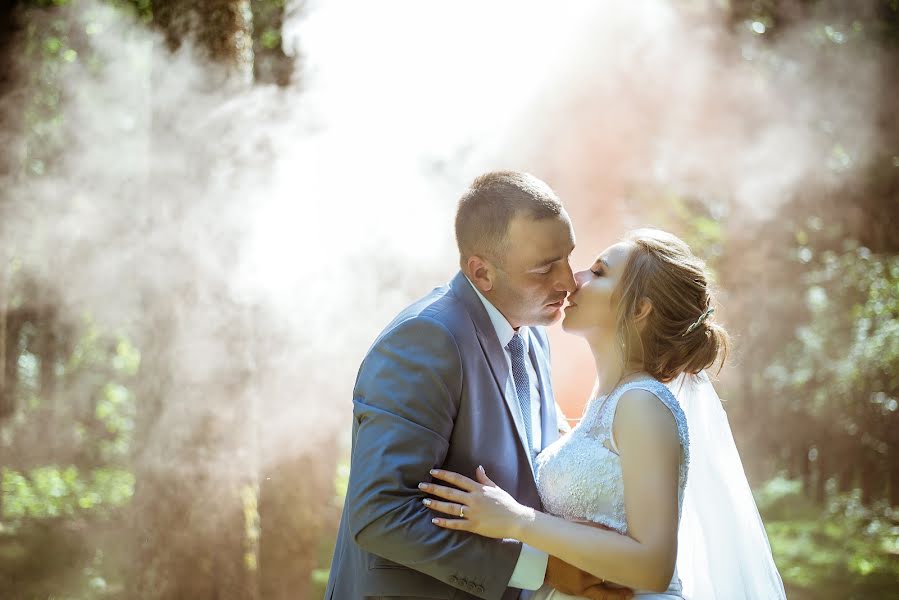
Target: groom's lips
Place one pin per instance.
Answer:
(558, 304)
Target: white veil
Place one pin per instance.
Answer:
(723, 551)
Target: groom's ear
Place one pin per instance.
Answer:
(481, 273)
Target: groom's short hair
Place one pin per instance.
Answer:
(489, 205)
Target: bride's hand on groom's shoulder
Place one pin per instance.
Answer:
(479, 506)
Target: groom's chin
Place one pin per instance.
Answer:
(551, 316)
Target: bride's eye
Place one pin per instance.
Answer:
(598, 273)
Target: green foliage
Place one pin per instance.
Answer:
(341, 481)
(843, 550)
(50, 3)
(126, 360)
(115, 409)
(270, 63)
(142, 9)
(249, 495)
(52, 491)
(270, 39)
(54, 48)
(844, 358)
(48, 47)
(319, 576)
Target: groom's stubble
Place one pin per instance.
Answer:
(533, 277)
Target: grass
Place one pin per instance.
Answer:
(841, 550)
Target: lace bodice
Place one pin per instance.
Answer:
(579, 476)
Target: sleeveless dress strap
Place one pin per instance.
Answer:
(606, 417)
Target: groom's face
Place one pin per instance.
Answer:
(534, 275)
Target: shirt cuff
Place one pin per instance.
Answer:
(530, 570)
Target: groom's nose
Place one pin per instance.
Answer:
(567, 281)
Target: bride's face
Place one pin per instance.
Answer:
(592, 308)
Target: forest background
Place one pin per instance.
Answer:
(208, 210)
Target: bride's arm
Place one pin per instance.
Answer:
(647, 438)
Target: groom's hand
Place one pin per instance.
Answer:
(574, 582)
(607, 591)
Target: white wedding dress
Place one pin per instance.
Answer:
(723, 550)
(579, 476)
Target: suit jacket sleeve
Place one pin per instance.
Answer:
(405, 403)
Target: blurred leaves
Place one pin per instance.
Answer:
(841, 550)
(850, 344)
(51, 491)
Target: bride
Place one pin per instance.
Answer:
(647, 492)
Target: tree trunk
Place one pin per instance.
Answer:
(805, 471)
(15, 320)
(4, 303)
(894, 476)
(195, 504)
(892, 453)
(221, 29)
(844, 451)
(298, 512)
(871, 484)
(196, 497)
(52, 421)
(5, 393)
(822, 473)
(10, 164)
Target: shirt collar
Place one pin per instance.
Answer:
(504, 330)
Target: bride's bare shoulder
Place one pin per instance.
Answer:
(642, 415)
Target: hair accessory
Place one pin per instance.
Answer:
(698, 322)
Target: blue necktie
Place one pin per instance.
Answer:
(522, 385)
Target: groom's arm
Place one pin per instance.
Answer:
(405, 403)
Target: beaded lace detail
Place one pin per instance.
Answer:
(579, 476)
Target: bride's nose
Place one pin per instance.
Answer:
(581, 278)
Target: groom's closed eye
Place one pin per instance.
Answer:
(543, 269)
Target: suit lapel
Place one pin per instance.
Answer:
(496, 357)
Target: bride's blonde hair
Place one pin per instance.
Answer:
(680, 334)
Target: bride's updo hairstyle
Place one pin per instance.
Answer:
(680, 333)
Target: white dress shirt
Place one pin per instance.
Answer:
(530, 570)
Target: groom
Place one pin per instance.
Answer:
(459, 379)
